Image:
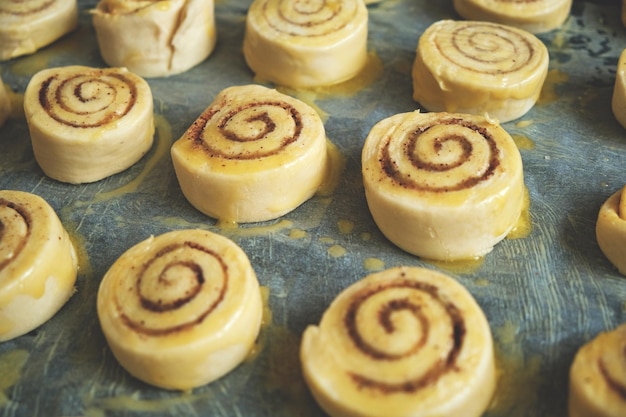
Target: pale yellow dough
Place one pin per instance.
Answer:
(300, 44)
(404, 342)
(181, 309)
(442, 186)
(5, 103)
(28, 25)
(537, 16)
(611, 229)
(451, 71)
(597, 379)
(88, 123)
(618, 101)
(38, 263)
(253, 155)
(155, 38)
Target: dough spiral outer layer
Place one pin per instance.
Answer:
(598, 377)
(28, 25)
(181, 309)
(611, 229)
(442, 186)
(253, 155)
(618, 100)
(535, 16)
(306, 43)
(479, 68)
(38, 263)
(88, 123)
(406, 341)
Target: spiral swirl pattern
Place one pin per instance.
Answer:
(24, 8)
(15, 229)
(399, 343)
(88, 100)
(449, 155)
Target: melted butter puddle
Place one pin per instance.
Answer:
(548, 92)
(524, 224)
(163, 142)
(373, 264)
(11, 364)
(523, 142)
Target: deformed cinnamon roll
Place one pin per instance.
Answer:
(535, 16)
(253, 155)
(406, 341)
(479, 68)
(306, 43)
(153, 38)
(611, 229)
(38, 263)
(181, 309)
(442, 186)
(618, 100)
(597, 379)
(28, 25)
(88, 123)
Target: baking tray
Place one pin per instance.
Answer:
(544, 294)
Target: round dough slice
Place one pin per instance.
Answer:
(253, 155)
(442, 186)
(5, 103)
(306, 44)
(597, 379)
(479, 68)
(611, 229)
(181, 309)
(618, 101)
(88, 123)
(28, 25)
(535, 16)
(153, 38)
(38, 263)
(403, 342)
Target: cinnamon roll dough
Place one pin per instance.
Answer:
(253, 155)
(5, 103)
(618, 101)
(155, 38)
(181, 309)
(88, 123)
(451, 73)
(300, 44)
(537, 16)
(28, 25)
(611, 229)
(442, 186)
(403, 342)
(38, 263)
(597, 379)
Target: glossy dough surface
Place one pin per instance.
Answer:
(38, 263)
(442, 186)
(535, 16)
(254, 154)
(403, 342)
(597, 379)
(305, 44)
(618, 101)
(5, 103)
(154, 38)
(181, 309)
(28, 25)
(611, 229)
(88, 123)
(479, 68)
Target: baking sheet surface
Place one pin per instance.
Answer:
(544, 295)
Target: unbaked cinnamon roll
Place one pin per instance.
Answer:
(5, 103)
(38, 263)
(403, 342)
(88, 123)
(611, 229)
(597, 379)
(479, 68)
(253, 155)
(181, 309)
(155, 38)
(306, 43)
(535, 16)
(618, 101)
(28, 25)
(442, 186)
